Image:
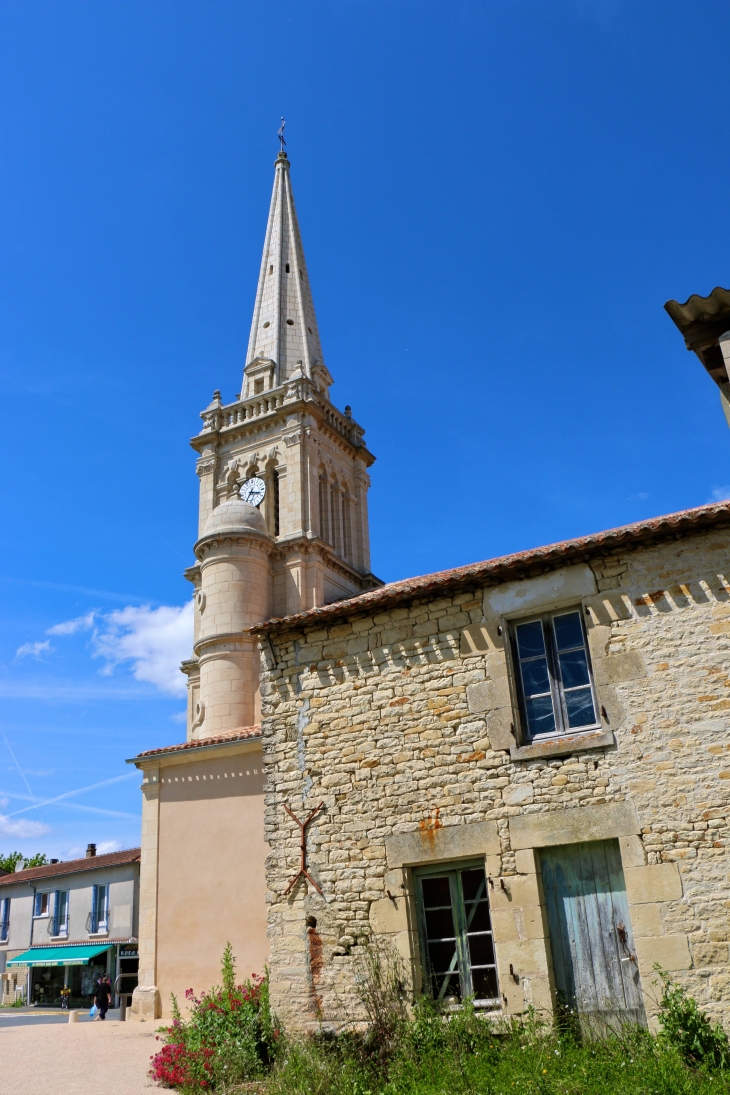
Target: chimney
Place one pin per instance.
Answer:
(90, 851)
(53, 861)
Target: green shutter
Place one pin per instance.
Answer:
(94, 923)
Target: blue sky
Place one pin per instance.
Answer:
(496, 198)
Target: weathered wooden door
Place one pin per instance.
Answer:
(590, 934)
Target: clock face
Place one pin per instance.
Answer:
(253, 491)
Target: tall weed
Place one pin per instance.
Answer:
(686, 1027)
(229, 1037)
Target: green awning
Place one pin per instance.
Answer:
(58, 956)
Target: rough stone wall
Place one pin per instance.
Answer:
(403, 723)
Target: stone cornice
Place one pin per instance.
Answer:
(234, 420)
(202, 645)
(215, 539)
(313, 545)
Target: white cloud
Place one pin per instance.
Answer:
(33, 650)
(107, 846)
(154, 640)
(21, 829)
(70, 627)
(719, 494)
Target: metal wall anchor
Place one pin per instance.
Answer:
(303, 872)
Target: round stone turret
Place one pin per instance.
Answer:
(235, 592)
(235, 515)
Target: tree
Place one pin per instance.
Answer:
(37, 860)
(10, 861)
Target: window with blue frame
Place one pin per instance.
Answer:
(4, 919)
(98, 920)
(553, 671)
(59, 921)
(41, 905)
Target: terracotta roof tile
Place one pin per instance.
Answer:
(203, 743)
(72, 866)
(507, 567)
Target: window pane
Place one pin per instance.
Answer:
(436, 891)
(474, 884)
(530, 639)
(568, 630)
(485, 984)
(477, 917)
(535, 677)
(574, 669)
(481, 950)
(442, 956)
(580, 708)
(447, 986)
(439, 924)
(540, 715)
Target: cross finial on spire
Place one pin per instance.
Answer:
(280, 134)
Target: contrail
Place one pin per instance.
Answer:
(12, 754)
(99, 810)
(68, 794)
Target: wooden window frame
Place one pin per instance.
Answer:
(453, 870)
(557, 691)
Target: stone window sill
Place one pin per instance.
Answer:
(560, 747)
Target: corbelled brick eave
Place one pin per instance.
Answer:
(508, 567)
(213, 742)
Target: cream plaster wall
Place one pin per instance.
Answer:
(210, 884)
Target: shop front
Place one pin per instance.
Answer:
(64, 976)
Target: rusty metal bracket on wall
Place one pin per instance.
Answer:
(303, 847)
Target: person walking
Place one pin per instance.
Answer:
(101, 998)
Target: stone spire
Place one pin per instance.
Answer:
(284, 332)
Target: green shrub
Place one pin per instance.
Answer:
(229, 1037)
(686, 1027)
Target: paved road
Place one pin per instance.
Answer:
(63, 1058)
(15, 1017)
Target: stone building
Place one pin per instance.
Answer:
(548, 731)
(518, 772)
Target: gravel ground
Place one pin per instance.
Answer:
(77, 1058)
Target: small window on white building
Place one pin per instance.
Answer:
(60, 913)
(99, 916)
(42, 904)
(553, 672)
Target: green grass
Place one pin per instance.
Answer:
(467, 1056)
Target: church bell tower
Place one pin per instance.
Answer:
(283, 522)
